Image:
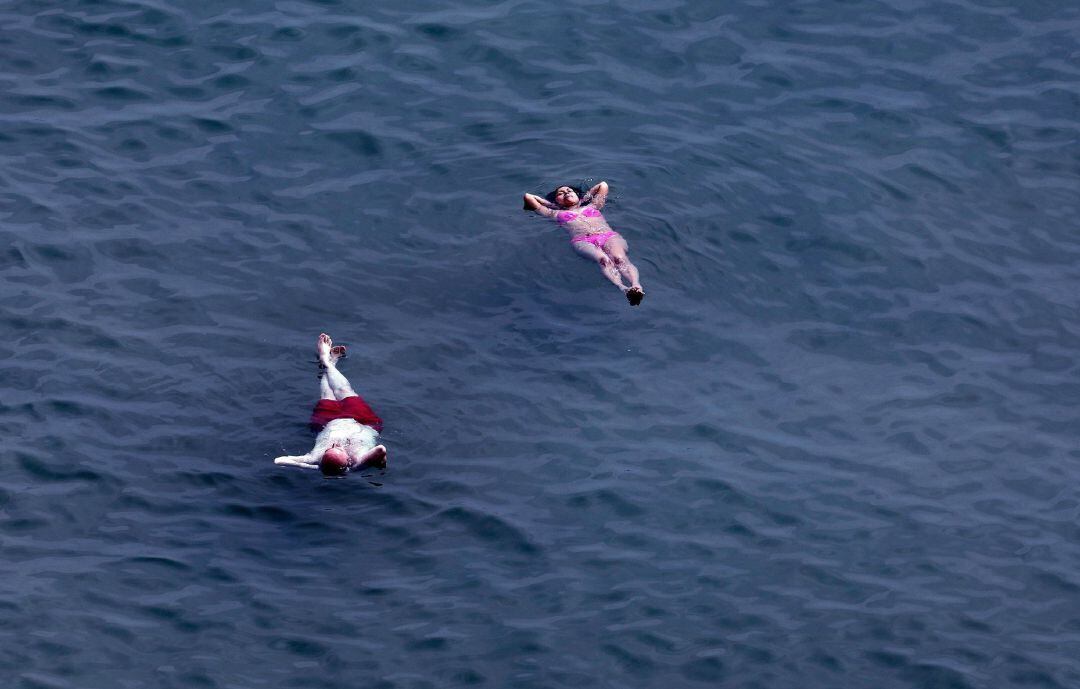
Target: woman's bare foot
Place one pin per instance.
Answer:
(375, 458)
(634, 295)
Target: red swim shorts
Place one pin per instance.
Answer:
(349, 408)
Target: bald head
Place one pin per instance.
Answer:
(334, 462)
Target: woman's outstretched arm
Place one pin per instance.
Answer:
(597, 195)
(539, 205)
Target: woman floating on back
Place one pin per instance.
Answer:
(590, 235)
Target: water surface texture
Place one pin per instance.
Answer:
(837, 446)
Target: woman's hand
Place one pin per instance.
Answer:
(538, 204)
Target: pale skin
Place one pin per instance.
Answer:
(612, 258)
(354, 439)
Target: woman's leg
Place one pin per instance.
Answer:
(607, 266)
(616, 248)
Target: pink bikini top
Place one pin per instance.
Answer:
(567, 216)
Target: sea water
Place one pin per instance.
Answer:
(836, 446)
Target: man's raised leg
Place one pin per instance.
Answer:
(338, 383)
(325, 392)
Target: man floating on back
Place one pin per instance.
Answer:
(347, 426)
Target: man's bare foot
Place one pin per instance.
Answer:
(322, 346)
(634, 295)
(337, 352)
(374, 459)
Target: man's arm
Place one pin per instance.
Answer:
(539, 205)
(304, 461)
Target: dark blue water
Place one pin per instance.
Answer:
(837, 446)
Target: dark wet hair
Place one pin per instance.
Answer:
(328, 469)
(577, 190)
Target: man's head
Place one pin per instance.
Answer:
(334, 462)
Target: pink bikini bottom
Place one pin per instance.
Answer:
(598, 240)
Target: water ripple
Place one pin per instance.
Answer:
(835, 446)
